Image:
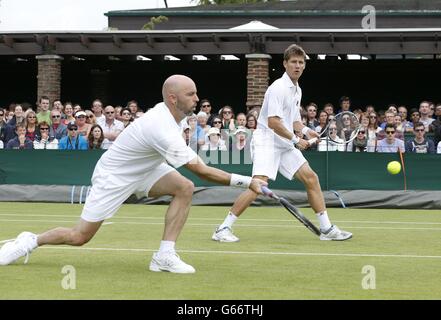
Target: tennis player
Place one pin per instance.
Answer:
(138, 162)
(273, 148)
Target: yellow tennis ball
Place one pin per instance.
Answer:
(394, 167)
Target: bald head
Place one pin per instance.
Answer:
(174, 84)
(180, 95)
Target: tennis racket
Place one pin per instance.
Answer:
(293, 210)
(341, 129)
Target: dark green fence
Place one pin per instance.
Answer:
(337, 170)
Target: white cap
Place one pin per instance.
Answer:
(202, 114)
(213, 131)
(240, 129)
(80, 113)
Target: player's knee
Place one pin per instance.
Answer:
(186, 188)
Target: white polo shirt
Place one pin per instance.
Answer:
(148, 142)
(282, 99)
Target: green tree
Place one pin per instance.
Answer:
(154, 21)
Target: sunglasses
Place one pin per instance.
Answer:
(91, 116)
(419, 130)
(44, 129)
(217, 122)
(390, 132)
(363, 132)
(373, 117)
(56, 116)
(226, 112)
(110, 112)
(126, 114)
(2, 114)
(206, 105)
(73, 129)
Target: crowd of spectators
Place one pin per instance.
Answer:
(69, 126)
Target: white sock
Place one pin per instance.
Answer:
(323, 218)
(33, 241)
(167, 246)
(229, 220)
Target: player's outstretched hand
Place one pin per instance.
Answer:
(256, 185)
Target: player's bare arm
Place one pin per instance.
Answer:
(276, 124)
(198, 167)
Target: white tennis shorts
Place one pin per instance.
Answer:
(269, 158)
(109, 192)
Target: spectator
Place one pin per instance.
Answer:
(126, 117)
(255, 112)
(241, 140)
(402, 111)
(328, 144)
(359, 144)
(133, 107)
(206, 107)
(186, 134)
(251, 122)
(73, 140)
(31, 125)
(68, 114)
(202, 121)
(44, 113)
(197, 135)
(111, 127)
(426, 119)
(329, 108)
(20, 141)
(431, 109)
(17, 118)
(436, 125)
(90, 117)
(420, 144)
(390, 143)
(364, 120)
(57, 105)
(227, 115)
(241, 120)
(82, 126)
(414, 118)
(390, 118)
(2, 123)
(214, 141)
(311, 116)
(57, 130)
(345, 104)
(97, 109)
(9, 115)
(118, 110)
(398, 123)
(96, 138)
(76, 108)
(45, 141)
(322, 121)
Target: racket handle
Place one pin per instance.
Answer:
(266, 191)
(312, 141)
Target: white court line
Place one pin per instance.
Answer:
(217, 219)
(253, 252)
(294, 225)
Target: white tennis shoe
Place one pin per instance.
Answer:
(334, 233)
(22, 246)
(224, 235)
(169, 261)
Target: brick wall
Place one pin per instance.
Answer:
(49, 77)
(257, 79)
